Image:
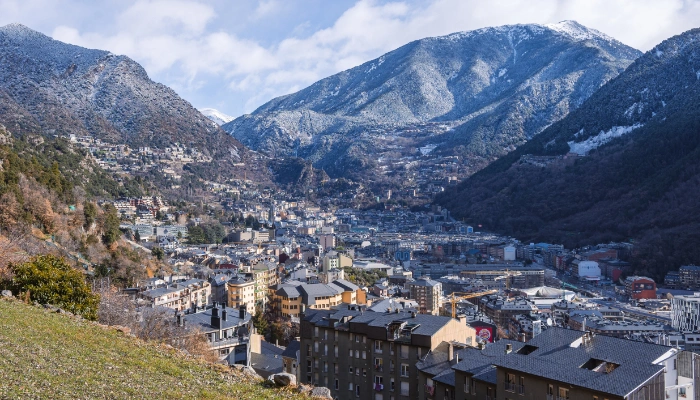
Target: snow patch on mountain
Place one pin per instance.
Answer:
(216, 116)
(600, 139)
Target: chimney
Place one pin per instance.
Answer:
(215, 320)
(509, 348)
(223, 314)
(413, 314)
(456, 358)
(241, 311)
(450, 352)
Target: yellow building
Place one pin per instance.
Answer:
(241, 291)
(264, 275)
(286, 299)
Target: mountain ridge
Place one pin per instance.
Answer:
(462, 90)
(636, 181)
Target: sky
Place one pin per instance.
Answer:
(235, 55)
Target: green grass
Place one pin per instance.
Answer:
(47, 355)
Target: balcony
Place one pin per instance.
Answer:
(510, 387)
(520, 389)
(429, 390)
(378, 387)
(550, 397)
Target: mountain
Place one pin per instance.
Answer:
(623, 166)
(56, 88)
(217, 116)
(475, 95)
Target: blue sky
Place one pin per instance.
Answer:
(236, 55)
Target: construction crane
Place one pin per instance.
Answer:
(507, 275)
(455, 297)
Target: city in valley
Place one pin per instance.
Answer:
(362, 199)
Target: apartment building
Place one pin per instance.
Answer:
(264, 275)
(227, 329)
(426, 293)
(364, 354)
(559, 364)
(180, 295)
(287, 299)
(241, 292)
(690, 275)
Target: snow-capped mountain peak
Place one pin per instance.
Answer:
(216, 116)
(577, 31)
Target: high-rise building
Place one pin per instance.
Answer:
(426, 293)
(685, 313)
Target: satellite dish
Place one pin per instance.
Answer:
(549, 322)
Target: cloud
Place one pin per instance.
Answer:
(184, 43)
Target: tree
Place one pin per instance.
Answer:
(137, 236)
(90, 213)
(110, 226)
(48, 279)
(260, 322)
(158, 253)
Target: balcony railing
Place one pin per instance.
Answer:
(378, 368)
(550, 397)
(562, 398)
(520, 389)
(378, 387)
(510, 387)
(430, 390)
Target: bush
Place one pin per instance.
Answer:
(48, 279)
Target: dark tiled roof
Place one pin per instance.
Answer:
(291, 350)
(429, 324)
(555, 358)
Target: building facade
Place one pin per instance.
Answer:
(426, 293)
(364, 354)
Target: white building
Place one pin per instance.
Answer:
(685, 313)
(509, 253)
(589, 270)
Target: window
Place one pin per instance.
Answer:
(308, 379)
(550, 389)
(364, 372)
(351, 370)
(357, 353)
(350, 386)
(325, 366)
(315, 331)
(357, 390)
(325, 349)
(357, 339)
(308, 365)
(378, 346)
(308, 349)
(404, 369)
(335, 368)
(391, 348)
(357, 371)
(378, 380)
(392, 385)
(404, 351)
(364, 355)
(325, 334)
(378, 363)
(316, 347)
(391, 365)
(335, 350)
(336, 384)
(404, 388)
(563, 393)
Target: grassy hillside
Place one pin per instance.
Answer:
(45, 355)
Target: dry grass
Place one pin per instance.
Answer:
(47, 355)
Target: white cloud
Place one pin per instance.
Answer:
(188, 44)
